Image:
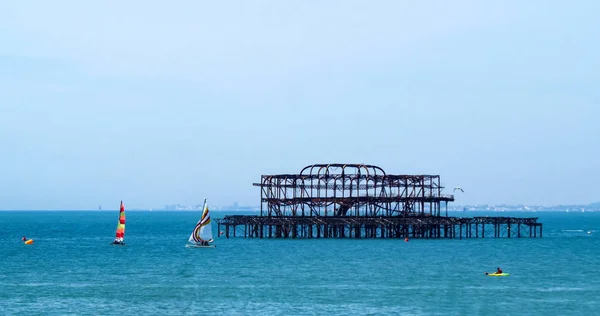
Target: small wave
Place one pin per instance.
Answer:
(560, 289)
(572, 230)
(27, 284)
(51, 284)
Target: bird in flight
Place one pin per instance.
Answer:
(459, 188)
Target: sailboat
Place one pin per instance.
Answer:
(120, 234)
(201, 236)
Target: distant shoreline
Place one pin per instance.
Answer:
(131, 210)
(253, 211)
(592, 207)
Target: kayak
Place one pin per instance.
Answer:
(497, 274)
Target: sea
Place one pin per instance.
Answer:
(72, 269)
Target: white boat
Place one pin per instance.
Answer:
(201, 236)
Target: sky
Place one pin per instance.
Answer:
(158, 103)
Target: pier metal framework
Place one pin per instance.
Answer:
(362, 201)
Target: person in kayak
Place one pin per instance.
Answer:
(24, 238)
(498, 271)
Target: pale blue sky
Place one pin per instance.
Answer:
(157, 103)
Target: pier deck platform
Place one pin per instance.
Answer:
(249, 226)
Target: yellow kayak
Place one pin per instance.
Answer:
(497, 274)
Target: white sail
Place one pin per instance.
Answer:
(203, 229)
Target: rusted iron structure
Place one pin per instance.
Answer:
(362, 201)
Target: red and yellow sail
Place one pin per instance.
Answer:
(120, 235)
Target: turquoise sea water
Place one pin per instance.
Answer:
(72, 269)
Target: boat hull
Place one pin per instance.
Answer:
(199, 246)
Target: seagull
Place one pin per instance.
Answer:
(458, 188)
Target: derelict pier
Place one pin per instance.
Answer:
(362, 201)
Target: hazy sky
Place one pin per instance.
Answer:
(158, 103)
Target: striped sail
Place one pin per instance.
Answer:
(120, 235)
(203, 229)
